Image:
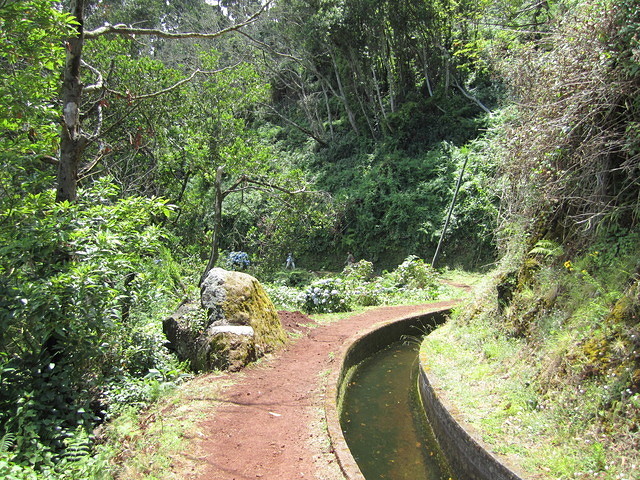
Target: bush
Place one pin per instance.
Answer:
(295, 278)
(360, 271)
(285, 298)
(367, 295)
(326, 296)
(414, 273)
(78, 278)
(238, 261)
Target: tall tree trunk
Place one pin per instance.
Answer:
(359, 79)
(383, 111)
(391, 78)
(343, 97)
(217, 224)
(328, 107)
(425, 66)
(72, 142)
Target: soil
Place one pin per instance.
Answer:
(270, 423)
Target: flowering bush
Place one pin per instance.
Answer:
(361, 271)
(326, 296)
(284, 297)
(414, 273)
(367, 295)
(238, 261)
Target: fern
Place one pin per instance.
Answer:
(78, 446)
(547, 248)
(7, 442)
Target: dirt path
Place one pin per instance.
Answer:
(270, 423)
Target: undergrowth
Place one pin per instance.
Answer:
(545, 361)
(413, 281)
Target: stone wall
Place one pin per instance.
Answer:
(467, 456)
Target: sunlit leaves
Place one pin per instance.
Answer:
(31, 52)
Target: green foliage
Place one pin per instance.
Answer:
(70, 300)
(294, 278)
(412, 282)
(569, 329)
(414, 273)
(360, 271)
(326, 296)
(394, 203)
(547, 248)
(31, 54)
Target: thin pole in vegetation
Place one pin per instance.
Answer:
(448, 219)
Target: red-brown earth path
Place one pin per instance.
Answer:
(270, 423)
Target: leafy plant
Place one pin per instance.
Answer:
(238, 261)
(414, 273)
(360, 271)
(547, 249)
(326, 296)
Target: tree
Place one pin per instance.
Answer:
(73, 139)
(242, 184)
(31, 55)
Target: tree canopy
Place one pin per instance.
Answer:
(140, 139)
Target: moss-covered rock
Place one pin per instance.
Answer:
(235, 324)
(236, 298)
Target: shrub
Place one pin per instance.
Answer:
(238, 261)
(360, 271)
(367, 295)
(414, 273)
(326, 296)
(295, 278)
(284, 297)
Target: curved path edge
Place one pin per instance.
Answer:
(467, 455)
(339, 445)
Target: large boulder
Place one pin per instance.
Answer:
(236, 323)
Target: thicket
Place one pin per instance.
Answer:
(357, 286)
(324, 127)
(555, 331)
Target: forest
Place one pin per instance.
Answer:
(143, 142)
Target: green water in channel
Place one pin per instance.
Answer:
(382, 421)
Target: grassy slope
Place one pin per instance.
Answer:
(545, 363)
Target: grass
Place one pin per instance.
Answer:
(552, 392)
(152, 445)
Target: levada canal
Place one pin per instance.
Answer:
(383, 421)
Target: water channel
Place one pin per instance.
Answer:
(383, 422)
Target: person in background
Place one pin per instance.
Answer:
(350, 259)
(290, 263)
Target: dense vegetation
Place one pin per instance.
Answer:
(142, 139)
(553, 335)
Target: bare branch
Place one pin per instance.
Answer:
(257, 184)
(99, 82)
(471, 97)
(49, 160)
(304, 130)
(86, 169)
(269, 48)
(122, 29)
(176, 85)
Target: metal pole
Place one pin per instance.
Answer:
(453, 202)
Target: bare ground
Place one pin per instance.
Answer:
(270, 423)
